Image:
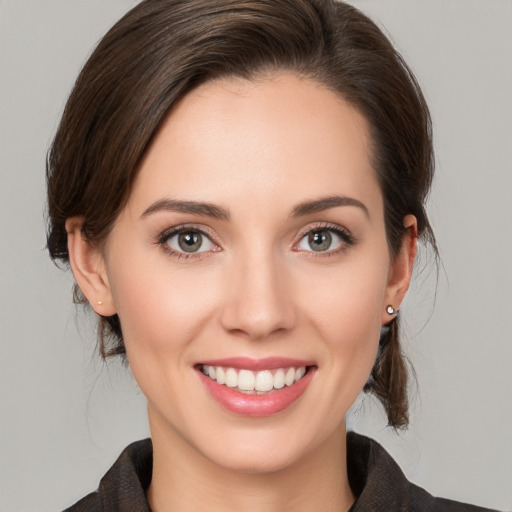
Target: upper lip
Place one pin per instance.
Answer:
(266, 363)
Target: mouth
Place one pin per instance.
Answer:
(254, 382)
(251, 387)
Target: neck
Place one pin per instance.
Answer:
(185, 481)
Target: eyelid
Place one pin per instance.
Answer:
(346, 236)
(165, 235)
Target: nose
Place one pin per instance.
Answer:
(259, 299)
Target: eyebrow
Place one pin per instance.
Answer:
(217, 212)
(194, 207)
(325, 203)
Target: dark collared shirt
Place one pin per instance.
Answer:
(375, 478)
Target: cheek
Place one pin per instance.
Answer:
(161, 309)
(345, 306)
(346, 299)
(162, 314)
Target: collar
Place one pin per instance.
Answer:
(375, 478)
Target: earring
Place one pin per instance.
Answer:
(390, 310)
(100, 302)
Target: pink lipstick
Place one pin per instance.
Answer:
(256, 387)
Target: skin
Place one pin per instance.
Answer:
(258, 289)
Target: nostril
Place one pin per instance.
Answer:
(240, 320)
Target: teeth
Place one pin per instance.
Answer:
(264, 381)
(289, 378)
(231, 378)
(221, 375)
(279, 379)
(247, 380)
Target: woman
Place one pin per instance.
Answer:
(239, 188)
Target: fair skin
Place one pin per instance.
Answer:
(269, 272)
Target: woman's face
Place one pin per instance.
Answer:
(253, 241)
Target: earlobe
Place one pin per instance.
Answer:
(401, 267)
(88, 266)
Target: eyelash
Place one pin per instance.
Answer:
(347, 240)
(345, 236)
(166, 235)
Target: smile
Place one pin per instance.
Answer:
(254, 382)
(256, 387)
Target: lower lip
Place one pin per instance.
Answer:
(266, 404)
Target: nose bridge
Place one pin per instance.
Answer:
(259, 301)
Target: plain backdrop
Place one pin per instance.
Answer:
(64, 417)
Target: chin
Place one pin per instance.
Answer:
(270, 450)
(256, 459)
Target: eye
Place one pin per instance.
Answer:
(324, 239)
(189, 241)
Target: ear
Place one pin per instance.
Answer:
(88, 266)
(401, 268)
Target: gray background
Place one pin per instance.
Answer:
(64, 417)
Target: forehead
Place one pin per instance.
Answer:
(277, 137)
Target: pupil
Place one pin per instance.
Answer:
(190, 241)
(320, 240)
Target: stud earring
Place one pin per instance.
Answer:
(100, 302)
(390, 310)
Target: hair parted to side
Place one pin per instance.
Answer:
(162, 49)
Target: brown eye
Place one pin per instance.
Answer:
(320, 240)
(325, 239)
(190, 241)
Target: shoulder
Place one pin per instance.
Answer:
(376, 479)
(124, 485)
(379, 483)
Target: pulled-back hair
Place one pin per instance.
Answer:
(162, 49)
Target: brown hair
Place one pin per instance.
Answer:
(162, 49)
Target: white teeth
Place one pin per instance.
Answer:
(278, 379)
(247, 380)
(289, 378)
(264, 381)
(221, 375)
(231, 378)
